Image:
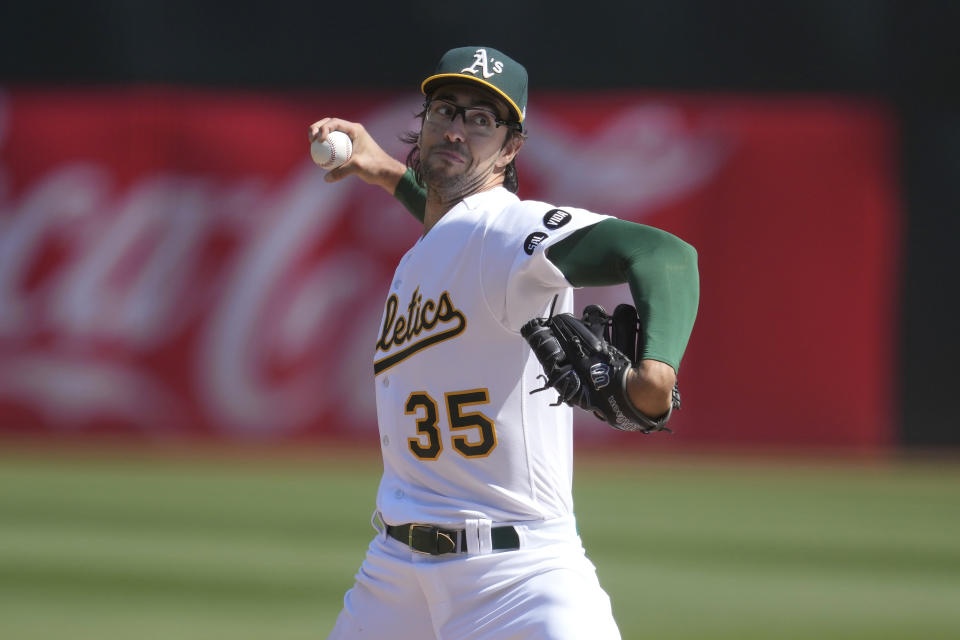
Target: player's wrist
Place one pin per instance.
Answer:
(388, 174)
(649, 386)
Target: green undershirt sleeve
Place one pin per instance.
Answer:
(411, 195)
(660, 268)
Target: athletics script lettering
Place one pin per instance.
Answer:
(421, 316)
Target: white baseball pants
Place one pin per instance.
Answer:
(546, 590)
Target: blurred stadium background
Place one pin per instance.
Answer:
(187, 435)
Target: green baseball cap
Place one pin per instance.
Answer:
(488, 67)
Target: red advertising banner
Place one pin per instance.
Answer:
(172, 263)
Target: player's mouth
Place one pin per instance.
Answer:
(448, 153)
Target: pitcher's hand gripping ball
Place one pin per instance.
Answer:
(585, 360)
(333, 151)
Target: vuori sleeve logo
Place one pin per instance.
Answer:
(556, 218)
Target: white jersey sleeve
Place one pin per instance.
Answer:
(520, 281)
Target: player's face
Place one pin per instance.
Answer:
(462, 150)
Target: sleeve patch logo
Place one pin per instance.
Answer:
(532, 241)
(556, 218)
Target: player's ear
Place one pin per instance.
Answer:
(511, 147)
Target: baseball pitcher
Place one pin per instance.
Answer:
(478, 363)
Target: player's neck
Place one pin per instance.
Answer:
(432, 215)
(439, 203)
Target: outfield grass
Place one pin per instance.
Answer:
(688, 548)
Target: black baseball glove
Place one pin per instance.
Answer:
(586, 361)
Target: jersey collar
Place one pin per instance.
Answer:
(485, 198)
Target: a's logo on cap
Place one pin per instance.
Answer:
(480, 60)
(532, 241)
(556, 218)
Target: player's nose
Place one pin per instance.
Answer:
(456, 130)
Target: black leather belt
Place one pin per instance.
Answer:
(425, 538)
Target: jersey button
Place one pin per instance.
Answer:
(397, 283)
(386, 381)
(386, 441)
(398, 494)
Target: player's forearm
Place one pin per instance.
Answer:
(660, 268)
(411, 194)
(386, 174)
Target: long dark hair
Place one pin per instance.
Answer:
(511, 181)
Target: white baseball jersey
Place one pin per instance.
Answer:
(460, 434)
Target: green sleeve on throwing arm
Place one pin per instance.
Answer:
(411, 195)
(660, 268)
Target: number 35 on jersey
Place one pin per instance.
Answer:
(471, 434)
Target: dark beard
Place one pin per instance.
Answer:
(451, 188)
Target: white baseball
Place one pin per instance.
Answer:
(333, 151)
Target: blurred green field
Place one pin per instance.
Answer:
(208, 548)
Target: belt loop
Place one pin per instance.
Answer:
(472, 534)
(376, 521)
(486, 541)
